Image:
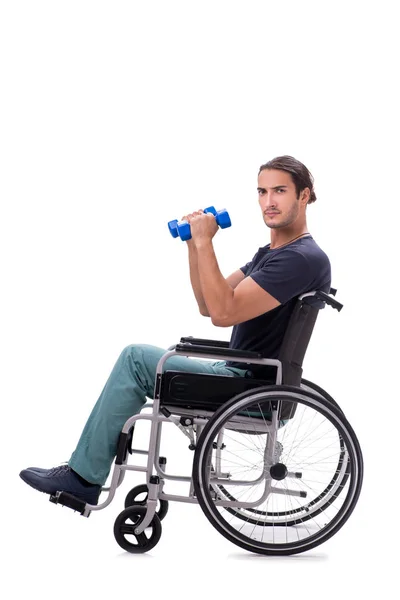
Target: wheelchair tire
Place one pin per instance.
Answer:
(131, 499)
(332, 435)
(314, 388)
(126, 523)
(266, 516)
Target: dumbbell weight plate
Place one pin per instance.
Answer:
(210, 209)
(223, 218)
(183, 228)
(172, 226)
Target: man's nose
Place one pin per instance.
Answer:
(269, 203)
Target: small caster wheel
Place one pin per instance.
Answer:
(124, 530)
(132, 496)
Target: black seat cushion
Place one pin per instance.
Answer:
(203, 391)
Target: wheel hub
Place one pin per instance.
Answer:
(278, 471)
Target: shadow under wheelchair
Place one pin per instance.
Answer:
(277, 469)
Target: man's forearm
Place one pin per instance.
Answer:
(195, 280)
(216, 292)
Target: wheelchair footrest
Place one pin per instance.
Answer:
(69, 500)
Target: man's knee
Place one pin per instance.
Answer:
(130, 349)
(133, 355)
(136, 350)
(144, 356)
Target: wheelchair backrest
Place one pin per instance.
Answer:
(297, 337)
(294, 345)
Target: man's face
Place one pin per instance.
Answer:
(277, 198)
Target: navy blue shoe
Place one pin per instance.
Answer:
(37, 469)
(61, 479)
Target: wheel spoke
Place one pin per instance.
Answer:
(142, 539)
(127, 529)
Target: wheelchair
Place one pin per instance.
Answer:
(277, 469)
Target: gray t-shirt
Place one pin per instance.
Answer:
(285, 273)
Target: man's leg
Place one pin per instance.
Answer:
(131, 381)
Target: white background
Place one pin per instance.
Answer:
(117, 117)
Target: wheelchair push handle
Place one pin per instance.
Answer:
(309, 298)
(329, 300)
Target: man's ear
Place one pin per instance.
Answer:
(305, 196)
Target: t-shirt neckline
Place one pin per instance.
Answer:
(268, 247)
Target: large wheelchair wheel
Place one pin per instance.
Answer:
(312, 506)
(297, 483)
(312, 387)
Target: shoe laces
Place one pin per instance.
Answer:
(61, 470)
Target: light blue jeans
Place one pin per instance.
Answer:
(131, 381)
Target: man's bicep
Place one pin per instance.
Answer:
(235, 278)
(249, 301)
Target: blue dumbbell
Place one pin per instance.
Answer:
(182, 228)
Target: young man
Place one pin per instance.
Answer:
(256, 300)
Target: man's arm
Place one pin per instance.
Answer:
(194, 278)
(226, 306)
(233, 280)
(215, 295)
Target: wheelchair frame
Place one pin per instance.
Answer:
(194, 420)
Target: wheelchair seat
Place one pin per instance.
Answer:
(203, 391)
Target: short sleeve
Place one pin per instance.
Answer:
(246, 266)
(285, 276)
(245, 269)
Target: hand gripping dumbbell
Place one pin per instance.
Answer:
(182, 228)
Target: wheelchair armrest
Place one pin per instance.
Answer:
(200, 341)
(182, 348)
